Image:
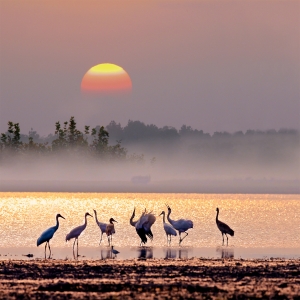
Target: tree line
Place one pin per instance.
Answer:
(67, 139)
(112, 141)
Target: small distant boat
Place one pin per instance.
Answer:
(140, 179)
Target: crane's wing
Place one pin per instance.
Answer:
(183, 224)
(102, 226)
(142, 220)
(74, 233)
(147, 225)
(224, 228)
(142, 235)
(149, 222)
(46, 235)
(169, 229)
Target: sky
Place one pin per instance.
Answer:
(213, 65)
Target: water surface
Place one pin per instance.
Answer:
(264, 225)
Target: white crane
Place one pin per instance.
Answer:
(101, 225)
(169, 229)
(181, 225)
(47, 235)
(143, 225)
(224, 228)
(110, 230)
(75, 233)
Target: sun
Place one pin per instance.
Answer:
(106, 79)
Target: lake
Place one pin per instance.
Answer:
(265, 225)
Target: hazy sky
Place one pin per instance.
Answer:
(214, 65)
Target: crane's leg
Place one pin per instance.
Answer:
(167, 241)
(111, 239)
(45, 249)
(227, 238)
(223, 238)
(77, 248)
(73, 248)
(101, 238)
(186, 234)
(108, 240)
(179, 238)
(49, 250)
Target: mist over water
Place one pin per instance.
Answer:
(228, 163)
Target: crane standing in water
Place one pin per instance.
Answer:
(181, 225)
(169, 229)
(47, 235)
(110, 230)
(143, 225)
(101, 225)
(75, 233)
(224, 228)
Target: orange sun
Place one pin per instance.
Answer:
(106, 79)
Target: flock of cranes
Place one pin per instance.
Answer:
(142, 226)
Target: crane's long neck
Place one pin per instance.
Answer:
(96, 217)
(132, 223)
(217, 220)
(57, 223)
(85, 221)
(168, 217)
(164, 220)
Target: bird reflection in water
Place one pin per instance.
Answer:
(225, 252)
(145, 253)
(173, 253)
(170, 253)
(183, 253)
(106, 254)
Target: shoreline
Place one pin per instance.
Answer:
(151, 278)
(238, 186)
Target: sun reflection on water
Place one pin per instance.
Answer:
(258, 220)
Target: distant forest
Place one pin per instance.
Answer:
(114, 142)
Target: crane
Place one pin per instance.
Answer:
(143, 225)
(169, 229)
(224, 228)
(181, 225)
(101, 225)
(110, 230)
(47, 235)
(75, 233)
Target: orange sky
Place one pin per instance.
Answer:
(220, 65)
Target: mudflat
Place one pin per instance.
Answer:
(150, 279)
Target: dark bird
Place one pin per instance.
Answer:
(181, 225)
(224, 228)
(114, 251)
(143, 225)
(47, 235)
(75, 233)
(110, 230)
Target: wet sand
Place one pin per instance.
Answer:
(194, 278)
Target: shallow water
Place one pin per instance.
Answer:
(264, 225)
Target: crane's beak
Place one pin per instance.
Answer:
(90, 215)
(62, 216)
(161, 213)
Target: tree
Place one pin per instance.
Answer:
(11, 140)
(69, 137)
